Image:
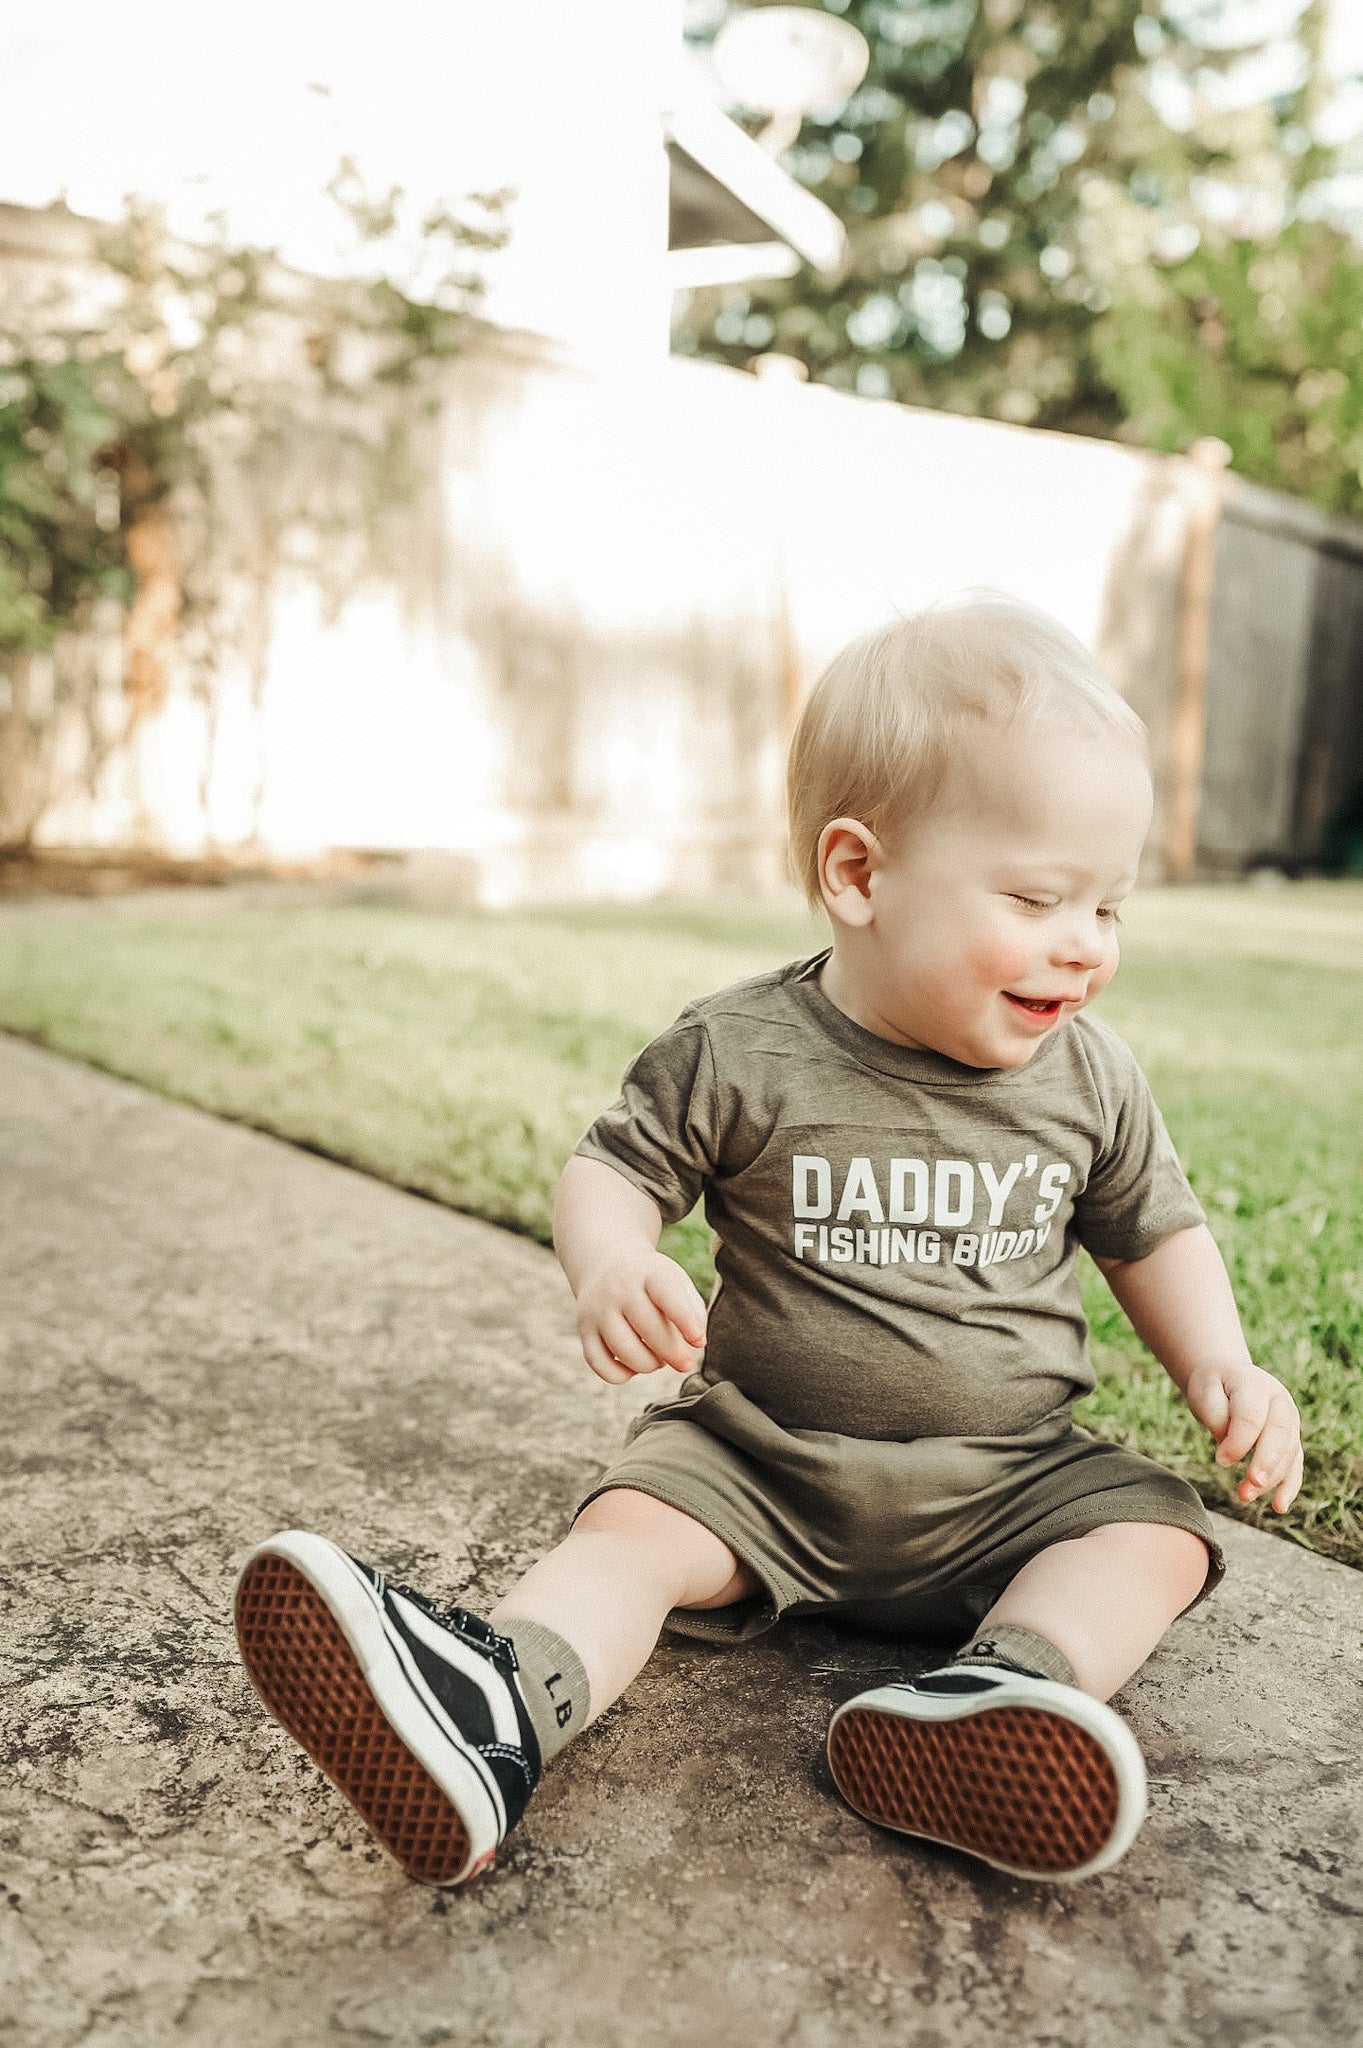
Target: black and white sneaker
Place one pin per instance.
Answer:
(414, 1713)
(1033, 1777)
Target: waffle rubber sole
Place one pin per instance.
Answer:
(311, 1676)
(1034, 1792)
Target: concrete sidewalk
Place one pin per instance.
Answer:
(208, 1335)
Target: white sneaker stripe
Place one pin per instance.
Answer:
(480, 1670)
(411, 1671)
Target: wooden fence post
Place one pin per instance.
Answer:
(1206, 460)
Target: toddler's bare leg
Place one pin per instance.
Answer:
(1105, 1599)
(608, 1587)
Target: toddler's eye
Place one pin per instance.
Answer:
(1112, 916)
(1029, 902)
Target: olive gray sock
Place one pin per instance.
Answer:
(552, 1681)
(1019, 1649)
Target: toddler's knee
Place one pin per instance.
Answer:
(1187, 1561)
(620, 1511)
(699, 1567)
(1176, 1558)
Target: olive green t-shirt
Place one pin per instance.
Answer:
(898, 1233)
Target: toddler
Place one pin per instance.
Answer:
(901, 1143)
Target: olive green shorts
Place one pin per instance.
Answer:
(913, 1539)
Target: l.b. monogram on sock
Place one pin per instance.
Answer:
(563, 1709)
(552, 1681)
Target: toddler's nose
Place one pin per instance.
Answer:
(1083, 944)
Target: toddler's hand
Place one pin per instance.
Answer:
(637, 1313)
(1247, 1410)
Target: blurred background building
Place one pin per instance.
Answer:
(561, 651)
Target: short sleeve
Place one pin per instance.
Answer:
(1137, 1193)
(661, 1133)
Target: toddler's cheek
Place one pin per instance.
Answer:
(1000, 964)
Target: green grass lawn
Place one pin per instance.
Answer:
(463, 1055)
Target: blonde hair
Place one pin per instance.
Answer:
(877, 731)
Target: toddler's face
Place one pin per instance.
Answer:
(996, 918)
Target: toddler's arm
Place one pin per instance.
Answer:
(636, 1308)
(1180, 1303)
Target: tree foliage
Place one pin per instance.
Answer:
(59, 540)
(1261, 346)
(1026, 191)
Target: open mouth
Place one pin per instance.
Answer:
(1045, 1010)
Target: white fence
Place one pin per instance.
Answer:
(578, 679)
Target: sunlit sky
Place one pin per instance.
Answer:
(217, 105)
(247, 105)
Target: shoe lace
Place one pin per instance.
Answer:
(470, 1628)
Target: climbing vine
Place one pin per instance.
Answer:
(180, 422)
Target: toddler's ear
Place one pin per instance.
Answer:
(848, 854)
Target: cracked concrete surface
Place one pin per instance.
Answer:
(208, 1335)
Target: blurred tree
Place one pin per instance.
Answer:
(1260, 344)
(1032, 189)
